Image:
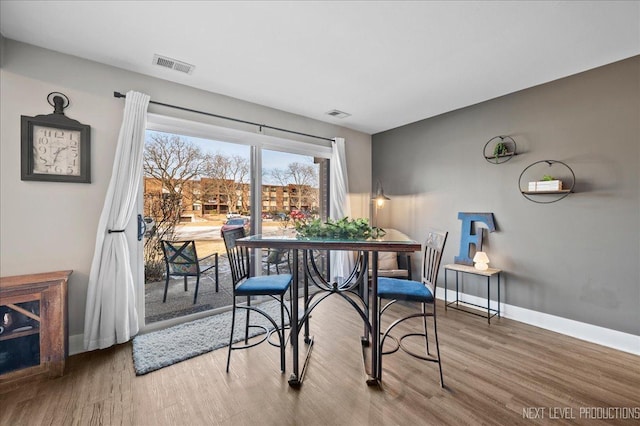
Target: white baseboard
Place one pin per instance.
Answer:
(592, 333)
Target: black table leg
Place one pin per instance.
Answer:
(376, 361)
(305, 259)
(498, 295)
(294, 379)
(489, 300)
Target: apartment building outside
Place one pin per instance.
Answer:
(206, 197)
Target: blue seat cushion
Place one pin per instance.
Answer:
(264, 285)
(394, 288)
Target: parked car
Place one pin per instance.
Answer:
(232, 215)
(237, 222)
(150, 227)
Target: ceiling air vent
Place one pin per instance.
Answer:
(338, 114)
(173, 64)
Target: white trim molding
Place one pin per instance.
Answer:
(163, 123)
(619, 340)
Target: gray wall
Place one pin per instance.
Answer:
(577, 258)
(49, 226)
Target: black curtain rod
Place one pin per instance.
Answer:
(237, 120)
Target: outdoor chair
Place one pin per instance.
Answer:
(278, 258)
(274, 286)
(423, 292)
(181, 260)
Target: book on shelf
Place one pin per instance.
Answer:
(547, 185)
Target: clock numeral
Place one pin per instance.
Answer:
(58, 134)
(43, 140)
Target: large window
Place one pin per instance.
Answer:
(196, 178)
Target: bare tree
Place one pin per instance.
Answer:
(304, 180)
(231, 175)
(173, 161)
(172, 164)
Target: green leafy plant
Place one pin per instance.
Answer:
(500, 149)
(547, 178)
(342, 228)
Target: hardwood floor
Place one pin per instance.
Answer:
(507, 373)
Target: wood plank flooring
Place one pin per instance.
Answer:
(506, 373)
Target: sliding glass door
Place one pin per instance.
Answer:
(199, 179)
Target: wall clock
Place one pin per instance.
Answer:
(55, 148)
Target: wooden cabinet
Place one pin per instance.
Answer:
(33, 321)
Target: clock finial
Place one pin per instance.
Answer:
(59, 102)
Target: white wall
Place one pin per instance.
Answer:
(49, 226)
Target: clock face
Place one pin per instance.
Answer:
(56, 151)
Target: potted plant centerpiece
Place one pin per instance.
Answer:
(345, 228)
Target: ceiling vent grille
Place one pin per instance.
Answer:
(173, 64)
(338, 114)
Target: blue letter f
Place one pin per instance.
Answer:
(467, 238)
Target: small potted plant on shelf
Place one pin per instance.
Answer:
(500, 150)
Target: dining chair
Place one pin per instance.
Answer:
(244, 285)
(393, 265)
(181, 259)
(421, 292)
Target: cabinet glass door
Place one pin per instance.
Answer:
(19, 333)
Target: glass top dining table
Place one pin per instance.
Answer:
(392, 241)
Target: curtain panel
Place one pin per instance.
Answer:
(341, 262)
(111, 315)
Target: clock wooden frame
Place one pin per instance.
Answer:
(58, 121)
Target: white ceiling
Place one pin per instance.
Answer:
(386, 63)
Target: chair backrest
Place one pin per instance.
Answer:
(277, 256)
(180, 257)
(433, 248)
(238, 256)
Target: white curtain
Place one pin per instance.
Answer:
(111, 315)
(341, 261)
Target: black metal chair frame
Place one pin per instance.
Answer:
(432, 255)
(177, 254)
(240, 272)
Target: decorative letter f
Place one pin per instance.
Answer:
(467, 238)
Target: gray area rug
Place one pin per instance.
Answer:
(159, 349)
(178, 313)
